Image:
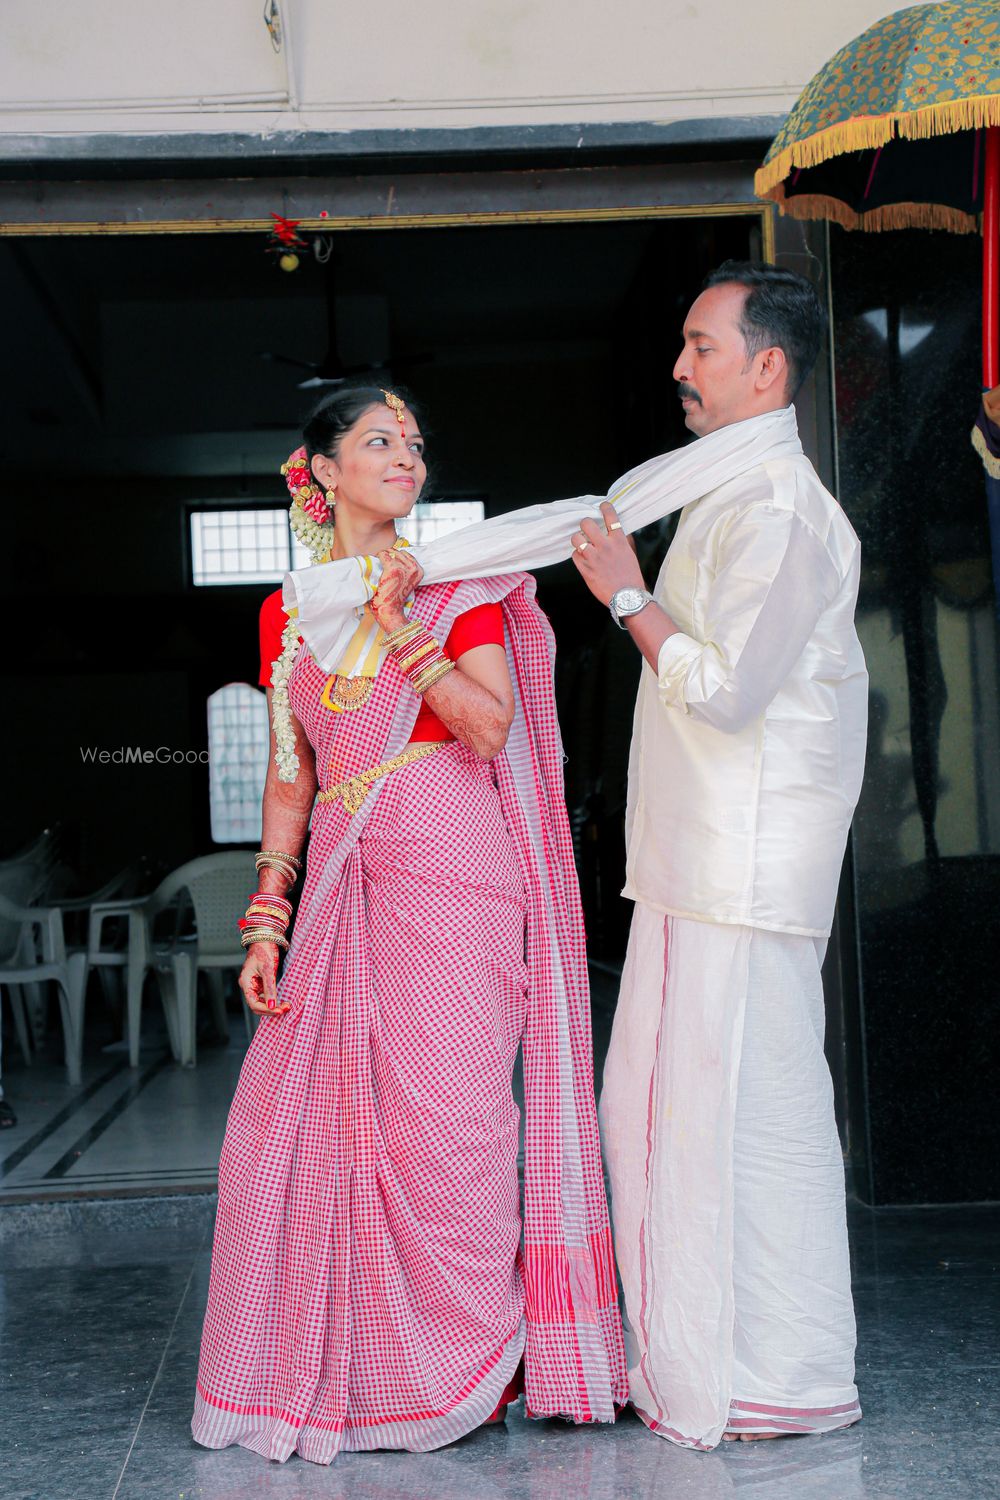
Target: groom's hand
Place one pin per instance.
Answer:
(605, 559)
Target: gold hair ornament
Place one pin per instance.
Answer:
(396, 405)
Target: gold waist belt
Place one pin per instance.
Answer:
(355, 789)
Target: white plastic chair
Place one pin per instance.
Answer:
(32, 949)
(106, 946)
(18, 883)
(41, 853)
(218, 886)
(27, 878)
(53, 875)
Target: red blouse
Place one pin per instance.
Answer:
(272, 624)
(482, 626)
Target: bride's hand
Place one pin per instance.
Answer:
(259, 980)
(401, 574)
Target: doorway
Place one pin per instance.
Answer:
(159, 374)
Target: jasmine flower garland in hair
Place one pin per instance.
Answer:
(315, 536)
(310, 509)
(309, 514)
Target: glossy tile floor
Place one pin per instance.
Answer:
(101, 1306)
(103, 1279)
(154, 1128)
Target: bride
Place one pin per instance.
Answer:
(376, 1280)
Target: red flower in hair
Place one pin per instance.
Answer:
(313, 502)
(303, 489)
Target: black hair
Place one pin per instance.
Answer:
(780, 310)
(337, 413)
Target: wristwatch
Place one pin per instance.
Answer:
(628, 602)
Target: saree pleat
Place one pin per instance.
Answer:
(367, 1286)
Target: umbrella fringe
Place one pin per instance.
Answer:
(891, 216)
(867, 133)
(990, 464)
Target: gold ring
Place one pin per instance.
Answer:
(583, 547)
(615, 526)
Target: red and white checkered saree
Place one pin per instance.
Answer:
(367, 1287)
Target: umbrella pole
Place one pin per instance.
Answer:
(991, 334)
(991, 260)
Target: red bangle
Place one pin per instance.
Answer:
(281, 901)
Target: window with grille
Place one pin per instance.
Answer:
(238, 747)
(257, 545)
(439, 517)
(253, 545)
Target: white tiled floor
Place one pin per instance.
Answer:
(97, 1382)
(155, 1128)
(98, 1373)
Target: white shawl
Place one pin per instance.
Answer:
(328, 597)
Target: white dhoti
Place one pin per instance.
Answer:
(727, 1184)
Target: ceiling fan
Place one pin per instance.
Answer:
(358, 326)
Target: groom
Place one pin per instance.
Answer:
(747, 755)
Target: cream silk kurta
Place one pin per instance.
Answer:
(749, 745)
(717, 1116)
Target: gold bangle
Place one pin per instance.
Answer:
(424, 649)
(406, 647)
(269, 854)
(249, 938)
(277, 862)
(433, 675)
(403, 633)
(390, 635)
(424, 669)
(432, 672)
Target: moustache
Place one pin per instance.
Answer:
(687, 392)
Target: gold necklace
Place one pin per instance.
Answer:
(345, 694)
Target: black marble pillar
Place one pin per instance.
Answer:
(926, 843)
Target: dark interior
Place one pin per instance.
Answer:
(146, 384)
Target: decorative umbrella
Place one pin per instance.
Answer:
(901, 129)
(887, 134)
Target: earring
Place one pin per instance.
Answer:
(331, 495)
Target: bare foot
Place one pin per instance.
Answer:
(755, 1437)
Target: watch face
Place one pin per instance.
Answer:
(629, 599)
